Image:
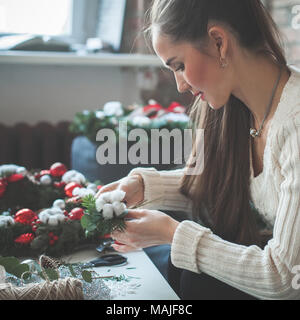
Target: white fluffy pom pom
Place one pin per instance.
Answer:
(52, 216)
(52, 220)
(117, 195)
(82, 192)
(22, 170)
(108, 211)
(119, 207)
(100, 204)
(73, 176)
(59, 203)
(110, 204)
(45, 180)
(44, 216)
(92, 186)
(106, 197)
(6, 221)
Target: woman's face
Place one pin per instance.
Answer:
(194, 71)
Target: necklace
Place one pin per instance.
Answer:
(256, 133)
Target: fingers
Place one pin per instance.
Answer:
(123, 248)
(109, 187)
(135, 213)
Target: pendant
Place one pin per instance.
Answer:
(254, 133)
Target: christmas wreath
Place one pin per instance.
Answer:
(151, 116)
(53, 211)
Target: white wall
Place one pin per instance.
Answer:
(33, 93)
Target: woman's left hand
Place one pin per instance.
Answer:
(145, 228)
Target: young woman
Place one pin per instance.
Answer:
(247, 101)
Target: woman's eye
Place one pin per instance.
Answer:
(180, 67)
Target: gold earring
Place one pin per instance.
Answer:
(223, 62)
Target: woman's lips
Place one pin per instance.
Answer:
(201, 94)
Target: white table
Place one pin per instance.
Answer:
(146, 283)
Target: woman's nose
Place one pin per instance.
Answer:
(182, 85)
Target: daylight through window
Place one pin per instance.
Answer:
(48, 17)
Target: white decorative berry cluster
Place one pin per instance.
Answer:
(53, 216)
(110, 204)
(5, 221)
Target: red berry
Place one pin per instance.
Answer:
(58, 169)
(45, 172)
(66, 213)
(59, 184)
(73, 200)
(76, 214)
(24, 238)
(70, 187)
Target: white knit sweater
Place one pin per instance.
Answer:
(264, 273)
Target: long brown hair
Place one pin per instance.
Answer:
(221, 194)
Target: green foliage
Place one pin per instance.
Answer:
(87, 276)
(13, 266)
(26, 194)
(87, 123)
(94, 223)
(21, 270)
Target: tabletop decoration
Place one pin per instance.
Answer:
(147, 117)
(49, 279)
(53, 215)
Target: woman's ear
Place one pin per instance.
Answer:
(219, 40)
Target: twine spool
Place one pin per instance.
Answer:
(62, 289)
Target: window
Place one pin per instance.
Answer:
(75, 20)
(47, 17)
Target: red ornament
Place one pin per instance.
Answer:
(3, 185)
(74, 200)
(25, 238)
(151, 107)
(15, 177)
(25, 216)
(152, 110)
(70, 187)
(45, 172)
(58, 169)
(59, 184)
(76, 214)
(176, 108)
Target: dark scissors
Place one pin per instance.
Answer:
(106, 261)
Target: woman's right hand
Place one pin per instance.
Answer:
(133, 186)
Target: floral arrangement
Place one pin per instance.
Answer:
(151, 116)
(53, 211)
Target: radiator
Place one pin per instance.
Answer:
(36, 146)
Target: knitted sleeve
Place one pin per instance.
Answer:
(267, 273)
(162, 189)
